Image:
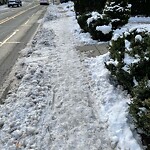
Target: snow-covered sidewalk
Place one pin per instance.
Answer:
(52, 106)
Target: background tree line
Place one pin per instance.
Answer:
(139, 7)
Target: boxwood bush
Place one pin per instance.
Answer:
(129, 64)
(119, 12)
(82, 21)
(140, 110)
(100, 27)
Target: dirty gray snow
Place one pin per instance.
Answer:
(54, 102)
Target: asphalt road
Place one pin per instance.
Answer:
(17, 27)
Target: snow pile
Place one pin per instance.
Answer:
(138, 38)
(139, 20)
(135, 22)
(128, 60)
(3, 7)
(127, 45)
(112, 104)
(24, 107)
(115, 37)
(104, 29)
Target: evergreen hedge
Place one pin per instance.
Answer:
(102, 22)
(119, 11)
(129, 63)
(115, 14)
(82, 21)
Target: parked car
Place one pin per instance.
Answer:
(14, 3)
(44, 2)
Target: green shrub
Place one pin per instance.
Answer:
(129, 63)
(129, 57)
(100, 27)
(140, 106)
(82, 21)
(119, 12)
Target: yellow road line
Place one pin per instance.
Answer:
(20, 13)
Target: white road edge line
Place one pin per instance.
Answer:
(14, 42)
(9, 38)
(27, 21)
